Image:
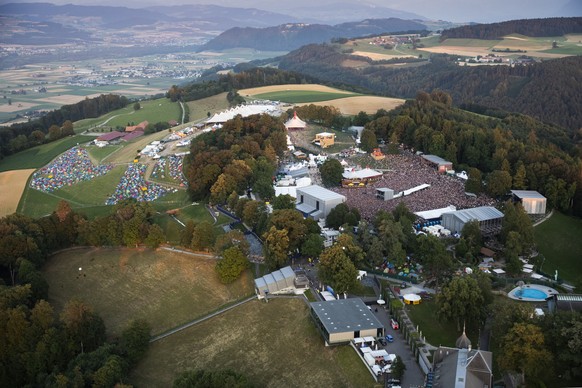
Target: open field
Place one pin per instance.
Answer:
(301, 96)
(12, 184)
(275, 344)
(558, 239)
(199, 109)
(164, 288)
(290, 87)
(368, 104)
(39, 156)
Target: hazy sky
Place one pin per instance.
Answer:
(450, 10)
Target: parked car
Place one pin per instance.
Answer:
(394, 324)
(389, 338)
(382, 341)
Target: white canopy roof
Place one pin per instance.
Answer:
(412, 297)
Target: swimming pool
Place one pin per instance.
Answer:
(531, 293)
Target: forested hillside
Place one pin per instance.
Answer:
(528, 27)
(548, 91)
(291, 36)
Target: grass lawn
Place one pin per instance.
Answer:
(199, 109)
(165, 288)
(95, 191)
(275, 344)
(97, 154)
(437, 331)
(39, 156)
(128, 152)
(558, 239)
(302, 96)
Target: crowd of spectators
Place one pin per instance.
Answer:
(71, 167)
(134, 185)
(405, 171)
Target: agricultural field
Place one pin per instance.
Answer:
(348, 103)
(12, 185)
(165, 288)
(276, 344)
(558, 239)
(301, 96)
(535, 47)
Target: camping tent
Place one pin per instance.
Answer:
(412, 299)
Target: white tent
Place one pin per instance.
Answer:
(412, 299)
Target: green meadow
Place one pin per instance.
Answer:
(302, 96)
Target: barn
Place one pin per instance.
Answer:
(340, 321)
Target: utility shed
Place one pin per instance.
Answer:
(316, 201)
(532, 201)
(489, 219)
(340, 321)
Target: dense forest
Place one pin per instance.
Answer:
(21, 136)
(547, 91)
(527, 27)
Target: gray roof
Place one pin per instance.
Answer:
(285, 274)
(530, 194)
(482, 213)
(436, 159)
(320, 193)
(342, 315)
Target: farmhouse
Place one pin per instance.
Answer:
(111, 136)
(488, 217)
(324, 139)
(340, 321)
(140, 127)
(532, 201)
(461, 366)
(316, 202)
(295, 123)
(439, 163)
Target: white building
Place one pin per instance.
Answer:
(316, 202)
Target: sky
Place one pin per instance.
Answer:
(449, 10)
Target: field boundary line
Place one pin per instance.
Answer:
(200, 320)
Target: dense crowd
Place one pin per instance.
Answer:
(133, 185)
(173, 165)
(71, 167)
(405, 171)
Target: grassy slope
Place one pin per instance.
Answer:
(275, 344)
(199, 109)
(558, 239)
(165, 288)
(302, 96)
(40, 155)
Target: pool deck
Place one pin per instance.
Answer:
(548, 290)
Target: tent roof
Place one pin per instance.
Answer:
(435, 213)
(295, 122)
(482, 213)
(527, 194)
(362, 174)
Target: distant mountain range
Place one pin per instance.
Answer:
(292, 36)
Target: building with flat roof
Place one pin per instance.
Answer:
(532, 201)
(439, 163)
(316, 202)
(340, 321)
(324, 139)
(489, 219)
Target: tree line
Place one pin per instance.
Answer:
(55, 124)
(529, 27)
